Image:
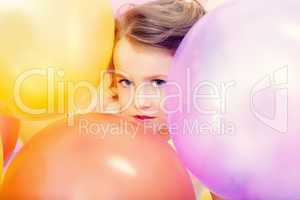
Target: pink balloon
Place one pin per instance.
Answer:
(235, 119)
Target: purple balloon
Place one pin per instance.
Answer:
(234, 100)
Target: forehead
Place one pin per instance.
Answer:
(138, 60)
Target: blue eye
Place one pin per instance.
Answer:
(158, 82)
(125, 82)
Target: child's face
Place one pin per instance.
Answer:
(141, 76)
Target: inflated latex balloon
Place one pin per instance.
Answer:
(30, 127)
(18, 147)
(9, 132)
(210, 5)
(96, 157)
(1, 159)
(205, 195)
(52, 53)
(237, 121)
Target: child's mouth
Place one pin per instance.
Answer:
(143, 117)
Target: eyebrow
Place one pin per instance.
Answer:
(158, 76)
(118, 75)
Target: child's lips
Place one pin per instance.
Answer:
(143, 117)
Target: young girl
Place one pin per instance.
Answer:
(147, 37)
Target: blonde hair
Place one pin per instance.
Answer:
(159, 23)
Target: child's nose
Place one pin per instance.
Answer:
(143, 103)
(146, 96)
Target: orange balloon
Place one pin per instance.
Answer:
(30, 127)
(9, 131)
(96, 157)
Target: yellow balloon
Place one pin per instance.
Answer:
(30, 127)
(205, 195)
(51, 55)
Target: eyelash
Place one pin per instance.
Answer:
(155, 82)
(158, 82)
(125, 82)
